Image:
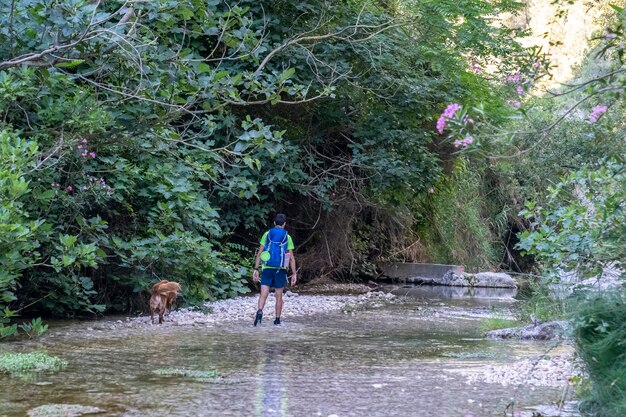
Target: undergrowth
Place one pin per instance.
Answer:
(600, 336)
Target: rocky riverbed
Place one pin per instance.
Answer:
(364, 349)
(295, 305)
(553, 369)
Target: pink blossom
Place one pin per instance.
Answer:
(537, 63)
(80, 146)
(596, 112)
(464, 143)
(469, 120)
(441, 124)
(450, 111)
(515, 78)
(520, 90)
(84, 187)
(610, 36)
(84, 140)
(69, 188)
(84, 153)
(92, 154)
(476, 68)
(431, 190)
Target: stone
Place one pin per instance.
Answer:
(494, 279)
(63, 410)
(454, 278)
(544, 331)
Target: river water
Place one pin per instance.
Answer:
(389, 361)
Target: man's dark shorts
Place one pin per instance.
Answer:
(276, 278)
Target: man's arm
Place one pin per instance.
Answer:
(257, 262)
(292, 264)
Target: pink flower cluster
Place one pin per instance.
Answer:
(447, 114)
(82, 146)
(464, 143)
(476, 68)
(431, 190)
(99, 182)
(610, 36)
(596, 112)
(93, 183)
(515, 78)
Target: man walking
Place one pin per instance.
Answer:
(276, 253)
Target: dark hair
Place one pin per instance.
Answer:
(280, 219)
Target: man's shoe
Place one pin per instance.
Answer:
(258, 318)
(277, 321)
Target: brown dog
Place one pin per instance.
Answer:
(162, 298)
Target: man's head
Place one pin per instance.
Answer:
(280, 220)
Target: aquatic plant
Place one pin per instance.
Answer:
(19, 363)
(186, 373)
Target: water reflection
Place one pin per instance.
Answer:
(271, 392)
(445, 292)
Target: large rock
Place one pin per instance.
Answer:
(544, 331)
(494, 280)
(463, 279)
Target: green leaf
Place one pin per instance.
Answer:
(202, 67)
(69, 64)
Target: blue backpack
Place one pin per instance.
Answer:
(276, 248)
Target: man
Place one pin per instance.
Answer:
(276, 252)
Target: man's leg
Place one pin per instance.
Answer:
(280, 281)
(267, 280)
(279, 301)
(265, 291)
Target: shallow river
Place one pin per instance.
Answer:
(390, 361)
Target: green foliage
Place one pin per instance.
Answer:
(495, 323)
(583, 226)
(454, 229)
(20, 363)
(150, 140)
(537, 301)
(600, 332)
(35, 328)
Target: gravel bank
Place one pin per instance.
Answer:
(551, 370)
(244, 308)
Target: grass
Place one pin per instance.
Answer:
(496, 323)
(20, 363)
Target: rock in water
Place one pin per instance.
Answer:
(63, 410)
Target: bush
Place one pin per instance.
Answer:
(600, 335)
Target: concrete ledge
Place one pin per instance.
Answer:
(405, 270)
(448, 275)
